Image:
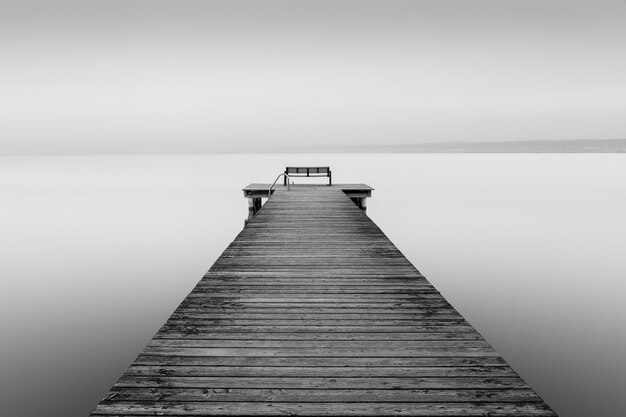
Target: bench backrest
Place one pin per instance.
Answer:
(308, 171)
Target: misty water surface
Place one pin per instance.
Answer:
(98, 251)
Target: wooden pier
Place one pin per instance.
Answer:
(312, 311)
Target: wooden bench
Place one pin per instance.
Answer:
(308, 172)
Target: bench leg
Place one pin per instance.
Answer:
(330, 178)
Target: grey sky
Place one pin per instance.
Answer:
(187, 76)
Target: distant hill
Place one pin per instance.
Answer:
(531, 146)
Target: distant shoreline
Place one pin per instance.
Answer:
(580, 146)
(534, 146)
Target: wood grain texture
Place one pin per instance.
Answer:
(312, 311)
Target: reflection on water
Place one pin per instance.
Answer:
(98, 251)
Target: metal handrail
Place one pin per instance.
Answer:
(269, 192)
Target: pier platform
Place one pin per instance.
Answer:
(313, 311)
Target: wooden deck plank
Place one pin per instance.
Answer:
(274, 408)
(311, 310)
(225, 382)
(325, 395)
(342, 329)
(387, 362)
(304, 337)
(318, 372)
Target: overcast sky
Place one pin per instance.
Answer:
(198, 76)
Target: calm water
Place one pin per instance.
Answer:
(98, 251)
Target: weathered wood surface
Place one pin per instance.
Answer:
(313, 311)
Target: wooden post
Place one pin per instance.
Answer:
(254, 205)
(250, 210)
(360, 202)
